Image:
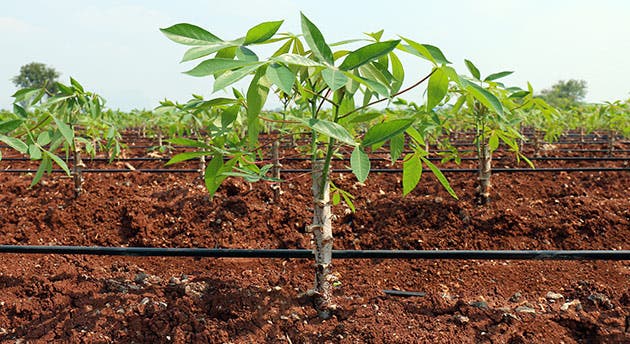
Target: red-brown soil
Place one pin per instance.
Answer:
(87, 299)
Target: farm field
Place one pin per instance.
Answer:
(74, 298)
(323, 150)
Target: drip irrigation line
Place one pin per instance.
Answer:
(347, 170)
(99, 159)
(545, 158)
(338, 254)
(559, 158)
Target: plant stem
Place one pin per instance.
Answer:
(275, 170)
(393, 96)
(77, 169)
(323, 240)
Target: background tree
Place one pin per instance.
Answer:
(37, 75)
(565, 94)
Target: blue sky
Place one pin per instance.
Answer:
(115, 48)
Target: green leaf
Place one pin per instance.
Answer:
(486, 98)
(473, 70)
(396, 146)
(336, 198)
(205, 50)
(418, 49)
(76, 85)
(367, 53)
(228, 116)
(18, 110)
(360, 163)
(334, 78)
(65, 130)
(212, 175)
(58, 161)
(376, 71)
(493, 141)
(426, 51)
(44, 138)
(330, 129)
(437, 88)
(256, 98)
(372, 85)
(10, 125)
(14, 143)
(28, 95)
(216, 65)
(412, 171)
(262, 32)
(519, 94)
(297, 60)
(187, 156)
(437, 54)
(384, 131)
(347, 199)
(281, 76)
(245, 54)
(44, 165)
(496, 76)
(415, 135)
(189, 34)
(398, 72)
(228, 78)
(34, 152)
(440, 177)
(182, 141)
(315, 41)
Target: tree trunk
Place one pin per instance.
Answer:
(611, 142)
(485, 170)
(77, 170)
(323, 240)
(159, 133)
(275, 170)
(202, 166)
(537, 140)
(521, 141)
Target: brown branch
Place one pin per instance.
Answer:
(393, 96)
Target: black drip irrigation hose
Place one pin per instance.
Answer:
(347, 170)
(541, 158)
(337, 254)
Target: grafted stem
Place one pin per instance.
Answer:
(323, 241)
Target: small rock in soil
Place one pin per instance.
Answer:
(140, 277)
(508, 317)
(601, 299)
(525, 309)
(565, 306)
(479, 304)
(461, 319)
(517, 296)
(553, 296)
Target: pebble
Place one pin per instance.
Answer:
(565, 306)
(553, 296)
(525, 309)
(517, 296)
(461, 319)
(601, 299)
(479, 304)
(509, 316)
(145, 301)
(140, 277)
